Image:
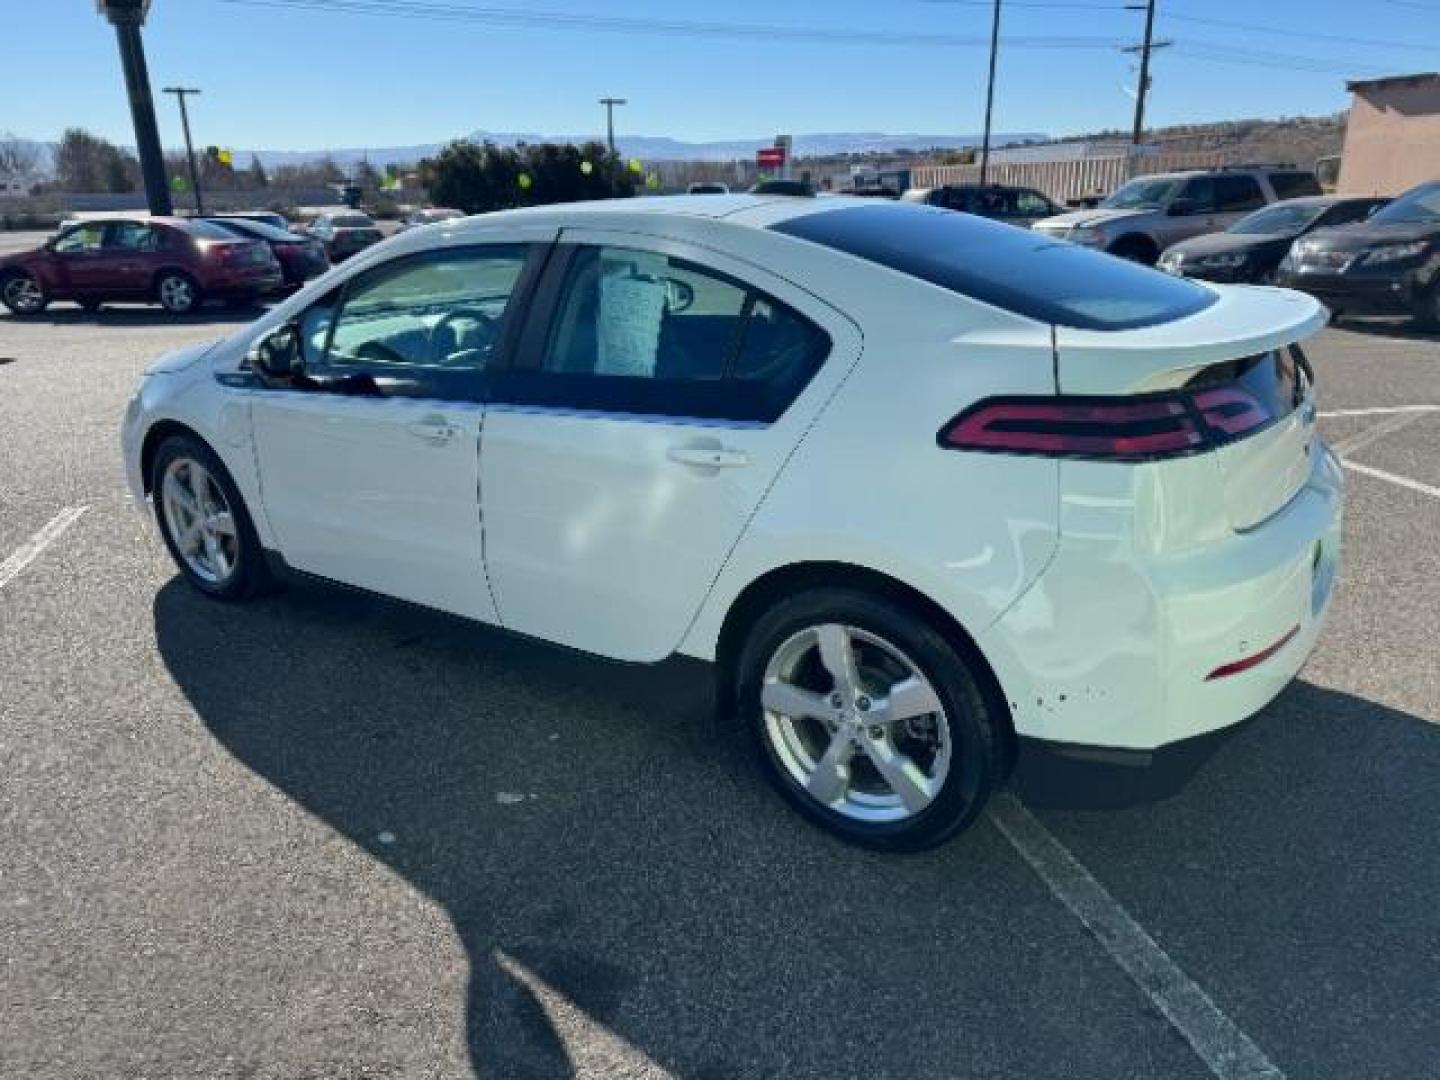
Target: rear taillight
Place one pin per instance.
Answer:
(1141, 428)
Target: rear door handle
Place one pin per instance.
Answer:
(708, 457)
(434, 429)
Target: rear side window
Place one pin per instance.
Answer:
(641, 332)
(1234, 194)
(1293, 185)
(1013, 269)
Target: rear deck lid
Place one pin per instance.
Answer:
(1239, 360)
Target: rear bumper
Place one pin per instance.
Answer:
(1116, 649)
(244, 282)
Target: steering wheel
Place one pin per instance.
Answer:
(488, 323)
(377, 352)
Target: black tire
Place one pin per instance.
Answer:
(177, 292)
(978, 740)
(19, 299)
(1137, 249)
(1427, 312)
(251, 575)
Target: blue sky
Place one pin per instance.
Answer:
(281, 78)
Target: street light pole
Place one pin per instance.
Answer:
(180, 92)
(127, 16)
(990, 94)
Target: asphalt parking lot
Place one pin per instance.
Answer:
(320, 836)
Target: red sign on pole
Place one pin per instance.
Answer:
(770, 157)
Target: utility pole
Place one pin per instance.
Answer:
(990, 94)
(610, 103)
(1144, 49)
(180, 92)
(127, 16)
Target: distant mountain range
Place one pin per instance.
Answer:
(646, 147)
(657, 147)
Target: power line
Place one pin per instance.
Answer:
(509, 17)
(1312, 35)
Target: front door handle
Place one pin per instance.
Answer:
(433, 429)
(708, 457)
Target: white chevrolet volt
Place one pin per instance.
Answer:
(919, 484)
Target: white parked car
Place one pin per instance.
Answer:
(918, 483)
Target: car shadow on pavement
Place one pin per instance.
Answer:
(139, 316)
(1395, 329)
(605, 852)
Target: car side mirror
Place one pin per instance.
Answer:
(277, 355)
(1183, 208)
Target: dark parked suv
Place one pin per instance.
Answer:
(1388, 265)
(173, 262)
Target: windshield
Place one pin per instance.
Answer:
(1278, 220)
(1009, 268)
(1421, 207)
(1144, 194)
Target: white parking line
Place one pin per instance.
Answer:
(1361, 439)
(31, 550)
(1226, 1050)
(1402, 481)
(1380, 411)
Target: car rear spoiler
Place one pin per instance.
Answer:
(1243, 320)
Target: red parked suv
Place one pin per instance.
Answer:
(173, 262)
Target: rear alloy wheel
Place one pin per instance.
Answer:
(177, 293)
(23, 294)
(867, 720)
(204, 522)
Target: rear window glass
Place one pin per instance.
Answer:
(1292, 185)
(248, 228)
(1013, 269)
(205, 230)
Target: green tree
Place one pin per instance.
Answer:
(478, 177)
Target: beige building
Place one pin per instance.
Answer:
(1392, 140)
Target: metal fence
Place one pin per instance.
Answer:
(1065, 180)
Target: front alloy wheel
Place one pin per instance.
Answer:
(23, 295)
(200, 521)
(204, 521)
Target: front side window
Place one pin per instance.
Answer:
(438, 311)
(1200, 194)
(80, 239)
(641, 332)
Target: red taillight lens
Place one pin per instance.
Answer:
(1141, 428)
